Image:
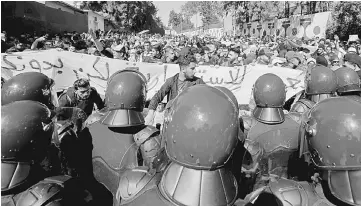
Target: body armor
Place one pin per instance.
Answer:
(134, 182)
(27, 129)
(321, 83)
(52, 191)
(272, 138)
(271, 145)
(112, 145)
(118, 132)
(284, 192)
(301, 106)
(199, 142)
(333, 134)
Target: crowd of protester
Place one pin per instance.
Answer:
(225, 51)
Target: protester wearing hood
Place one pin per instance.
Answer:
(322, 61)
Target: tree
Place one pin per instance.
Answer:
(211, 11)
(246, 11)
(179, 22)
(134, 15)
(174, 19)
(345, 20)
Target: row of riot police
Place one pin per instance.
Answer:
(45, 152)
(202, 156)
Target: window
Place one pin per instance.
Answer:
(95, 19)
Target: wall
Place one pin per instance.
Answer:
(20, 17)
(55, 5)
(95, 25)
(307, 26)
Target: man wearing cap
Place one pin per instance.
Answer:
(176, 84)
(353, 61)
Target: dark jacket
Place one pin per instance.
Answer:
(70, 99)
(170, 89)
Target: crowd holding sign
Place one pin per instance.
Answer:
(65, 67)
(275, 106)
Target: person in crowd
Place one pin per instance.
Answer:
(81, 95)
(176, 84)
(233, 58)
(169, 56)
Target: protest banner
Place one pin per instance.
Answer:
(307, 26)
(65, 67)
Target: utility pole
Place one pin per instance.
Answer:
(181, 23)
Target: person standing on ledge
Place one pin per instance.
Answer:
(176, 84)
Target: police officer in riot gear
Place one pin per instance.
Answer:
(348, 83)
(33, 86)
(332, 139)
(201, 130)
(320, 83)
(120, 138)
(27, 130)
(38, 87)
(273, 135)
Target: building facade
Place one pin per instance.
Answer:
(41, 17)
(95, 20)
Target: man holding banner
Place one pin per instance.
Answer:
(176, 84)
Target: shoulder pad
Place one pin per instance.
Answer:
(65, 129)
(297, 117)
(247, 122)
(302, 106)
(145, 134)
(254, 152)
(307, 102)
(43, 192)
(135, 182)
(294, 193)
(95, 117)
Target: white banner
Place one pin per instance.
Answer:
(65, 67)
